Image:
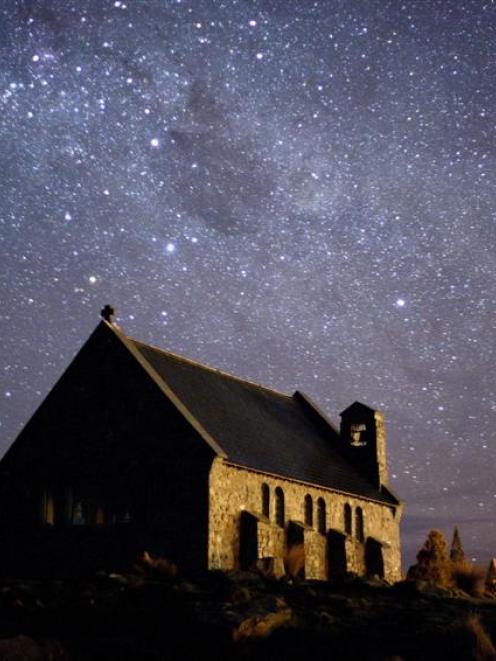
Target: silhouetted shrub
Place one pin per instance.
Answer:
(491, 578)
(157, 565)
(469, 578)
(457, 554)
(433, 563)
(294, 560)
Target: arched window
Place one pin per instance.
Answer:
(279, 507)
(308, 510)
(321, 515)
(48, 509)
(99, 515)
(347, 519)
(266, 500)
(359, 532)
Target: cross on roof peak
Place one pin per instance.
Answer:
(107, 313)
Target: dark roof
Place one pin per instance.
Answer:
(356, 407)
(260, 428)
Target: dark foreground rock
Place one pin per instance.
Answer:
(239, 616)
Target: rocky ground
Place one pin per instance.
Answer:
(239, 616)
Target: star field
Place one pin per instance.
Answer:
(300, 193)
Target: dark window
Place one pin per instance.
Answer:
(347, 519)
(68, 505)
(359, 524)
(89, 511)
(321, 513)
(119, 515)
(308, 510)
(279, 506)
(80, 513)
(48, 509)
(100, 515)
(266, 500)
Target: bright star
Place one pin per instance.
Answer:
(400, 302)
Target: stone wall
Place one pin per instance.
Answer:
(233, 489)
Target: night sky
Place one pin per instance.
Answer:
(301, 193)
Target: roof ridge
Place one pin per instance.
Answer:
(216, 370)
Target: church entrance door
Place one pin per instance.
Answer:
(336, 554)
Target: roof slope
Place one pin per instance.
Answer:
(259, 428)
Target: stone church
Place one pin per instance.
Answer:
(137, 448)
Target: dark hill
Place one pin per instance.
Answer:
(239, 616)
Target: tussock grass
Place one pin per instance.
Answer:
(157, 565)
(472, 642)
(294, 560)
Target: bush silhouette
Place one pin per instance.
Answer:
(433, 562)
(294, 560)
(469, 578)
(157, 565)
(457, 555)
(491, 577)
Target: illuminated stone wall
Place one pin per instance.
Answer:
(233, 489)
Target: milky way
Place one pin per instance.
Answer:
(301, 193)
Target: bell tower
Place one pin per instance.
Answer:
(363, 441)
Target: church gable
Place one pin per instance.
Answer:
(104, 409)
(106, 449)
